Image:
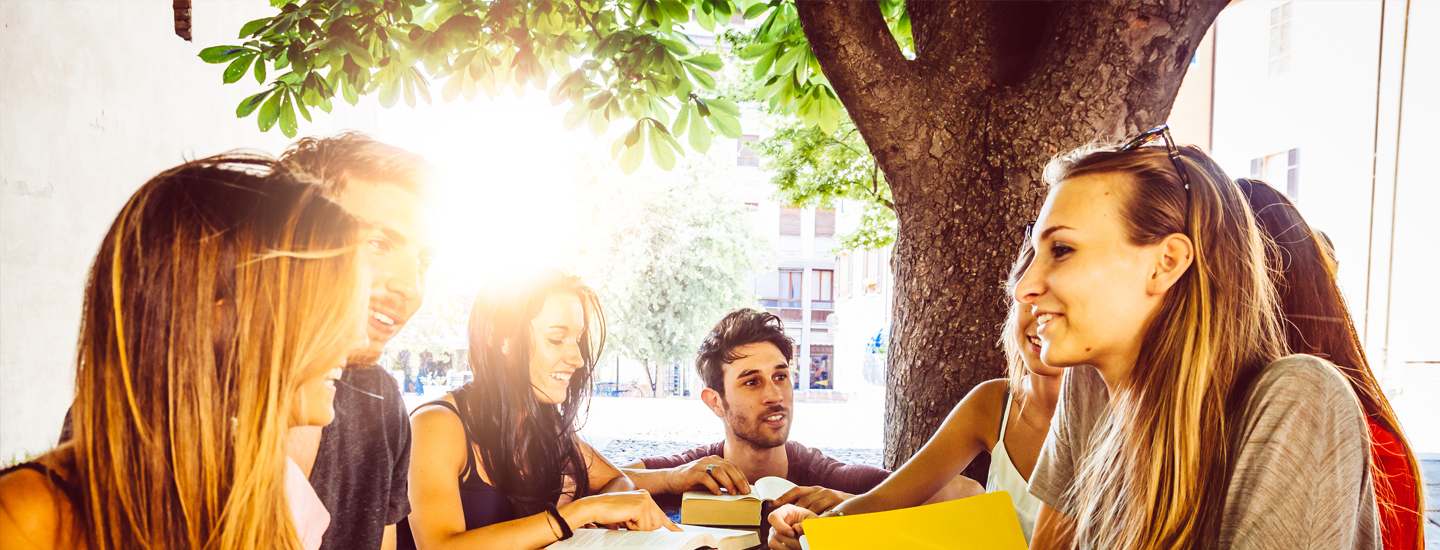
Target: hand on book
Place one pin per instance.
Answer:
(633, 510)
(785, 528)
(814, 499)
(712, 472)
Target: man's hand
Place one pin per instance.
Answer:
(713, 472)
(814, 499)
(785, 528)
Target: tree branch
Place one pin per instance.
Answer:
(853, 44)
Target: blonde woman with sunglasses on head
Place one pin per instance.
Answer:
(1182, 421)
(221, 302)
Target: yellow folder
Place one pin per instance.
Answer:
(986, 521)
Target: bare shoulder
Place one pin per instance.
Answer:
(32, 509)
(978, 414)
(437, 420)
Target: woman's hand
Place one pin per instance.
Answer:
(713, 472)
(814, 499)
(785, 529)
(633, 510)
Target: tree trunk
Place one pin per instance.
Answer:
(963, 131)
(648, 378)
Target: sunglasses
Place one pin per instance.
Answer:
(1161, 131)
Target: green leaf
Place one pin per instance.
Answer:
(756, 50)
(724, 106)
(598, 123)
(451, 90)
(260, 72)
(390, 93)
(702, 78)
(351, 95)
(630, 159)
(249, 104)
(709, 62)
(238, 67)
(762, 65)
(682, 119)
(755, 10)
(577, 116)
(660, 151)
(727, 125)
(700, 135)
(221, 54)
(287, 117)
(633, 136)
(705, 20)
(269, 113)
(253, 27)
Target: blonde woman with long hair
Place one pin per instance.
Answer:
(221, 301)
(1182, 422)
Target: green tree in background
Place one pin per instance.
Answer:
(961, 104)
(668, 255)
(814, 168)
(439, 326)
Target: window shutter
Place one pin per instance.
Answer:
(790, 222)
(825, 223)
(1256, 166)
(1292, 175)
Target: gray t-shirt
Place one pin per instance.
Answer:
(1301, 479)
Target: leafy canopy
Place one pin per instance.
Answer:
(609, 60)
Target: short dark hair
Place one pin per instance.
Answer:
(332, 161)
(741, 327)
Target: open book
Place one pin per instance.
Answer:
(706, 508)
(692, 538)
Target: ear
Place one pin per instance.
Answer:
(505, 346)
(713, 400)
(1174, 255)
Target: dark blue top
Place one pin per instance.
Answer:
(484, 505)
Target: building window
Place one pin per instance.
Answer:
(790, 221)
(824, 223)
(825, 286)
(1272, 169)
(1281, 34)
(820, 375)
(791, 285)
(747, 156)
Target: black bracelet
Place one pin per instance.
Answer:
(565, 531)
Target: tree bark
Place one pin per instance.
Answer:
(963, 131)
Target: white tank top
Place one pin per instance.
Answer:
(1004, 477)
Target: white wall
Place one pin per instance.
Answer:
(96, 97)
(1361, 151)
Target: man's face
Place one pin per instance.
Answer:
(398, 250)
(758, 396)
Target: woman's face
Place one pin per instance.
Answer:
(555, 351)
(1089, 288)
(315, 405)
(1025, 333)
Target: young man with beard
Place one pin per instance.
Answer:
(359, 463)
(745, 364)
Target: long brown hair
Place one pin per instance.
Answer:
(1318, 323)
(1015, 370)
(528, 449)
(222, 286)
(1158, 478)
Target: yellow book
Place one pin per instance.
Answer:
(986, 522)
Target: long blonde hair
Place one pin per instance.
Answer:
(220, 288)
(1155, 476)
(1015, 370)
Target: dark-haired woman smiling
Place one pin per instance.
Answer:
(498, 463)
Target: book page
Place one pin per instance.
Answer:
(770, 488)
(632, 540)
(767, 488)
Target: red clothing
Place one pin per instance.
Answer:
(808, 467)
(1394, 490)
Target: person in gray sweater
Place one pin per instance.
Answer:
(1182, 423)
